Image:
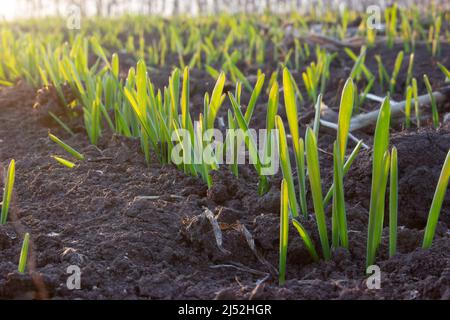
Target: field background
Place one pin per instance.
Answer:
(39, 8)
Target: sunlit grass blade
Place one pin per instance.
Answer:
(286, 165)
(272, 110)
(115, 65)
(212, 72)
(382, 73)
(317, 109)
(141, 116)
(445, 71)
(216, 101)
(238, 92)
(24, 254)
(345, 115)
(284, 230)
(64, 162)
(6, 83)
(296, 89)
(393, 203)
(409, 92)
(435, 114)
(435, 45)
(395, 72)
(338, 195)
(8, 190)
(312, 156)
(174, 88)
(382, 198)
(391, 24)
(186, 122)
(306, 239)
(98, 50)
(66, 147)
(254, 98)
(291, 112)
(436, 205)
(415, 94)
(302, 173)
(229, 142)
(359, 65)
(409, 72)
(203, 166)
(334, 224)
(381, 143)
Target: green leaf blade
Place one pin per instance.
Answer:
(312, 157)
(436, 205)
(66, 147)
(24, 254)
(8, 191)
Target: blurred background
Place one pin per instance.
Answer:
(40, 8)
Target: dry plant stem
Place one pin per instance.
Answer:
(326, 41)
(367, 119)
(240, 268)
(216, 228)
(251, 243)
(332, 125)
(376, 98)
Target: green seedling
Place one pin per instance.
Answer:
(24, 254)
(416, 101)
(379, 179)
(312, 156)
(284, 230)
(285, 163)
(292, 116)
(64, 162)
(445, 71)
(435, 114)
(306, 239)
(395, 72)
(8, 190)
(436, 205)
(339, 220)
(393, 203)
(409, 73)
(409, 92)
(66, 147)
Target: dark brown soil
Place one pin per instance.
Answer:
(139, 231)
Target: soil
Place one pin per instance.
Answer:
(141, 231)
